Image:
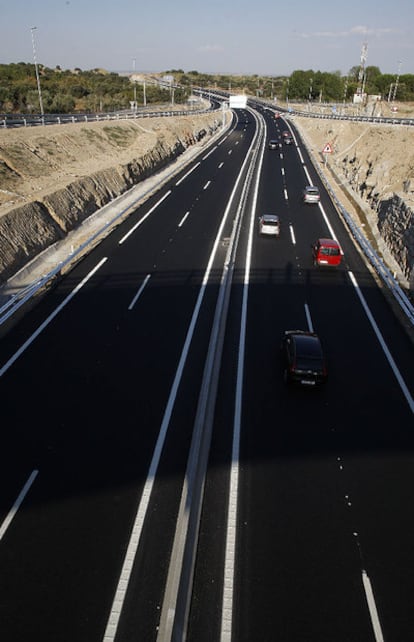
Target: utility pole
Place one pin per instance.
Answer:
(345, 89)
(361, 74)
(396, 81)
(33, 29)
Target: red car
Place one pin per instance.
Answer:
(327, 252)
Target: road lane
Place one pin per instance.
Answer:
(321, 484)
(95, 381)
(302, 518)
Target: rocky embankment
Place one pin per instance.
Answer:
(373, 167)
(53, 178)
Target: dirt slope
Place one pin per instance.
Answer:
(37, 161)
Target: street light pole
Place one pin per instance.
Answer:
(135, 85)
(310, 90)
(33, 29)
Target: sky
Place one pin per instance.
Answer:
(264, 37)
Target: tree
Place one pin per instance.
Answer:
(299, 84)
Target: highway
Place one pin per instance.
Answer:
(159, 480)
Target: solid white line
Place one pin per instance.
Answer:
(137, 528)
(307, 175)
(124, 238)
(187, 174)
(329, 226)
(213, 149)
(308, 318)
(17, 503)
(231, 529)
(45, 323)
(138, 294)
(372, 607)
(384, 346)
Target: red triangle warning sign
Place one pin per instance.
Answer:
(327, 149)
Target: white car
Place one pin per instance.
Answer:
(269, 224)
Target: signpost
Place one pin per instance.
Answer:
(327, 150)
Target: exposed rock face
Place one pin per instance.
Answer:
(376, 162)
(24, 233)
(52, 179)
(50, 183)
(396, 226)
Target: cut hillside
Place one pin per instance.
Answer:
(37, 161)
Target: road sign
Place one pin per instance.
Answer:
(327, 149)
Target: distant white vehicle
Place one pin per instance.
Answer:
(238, 102)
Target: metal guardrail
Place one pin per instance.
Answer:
(61, 119)
(289, 111)
(378, 265)
(383, 272)
(376, 262)
(15, 301)
(356, 119)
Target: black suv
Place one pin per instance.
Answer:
(303, 358)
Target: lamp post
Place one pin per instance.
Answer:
(345, 89)
(310, 90)
(33, 29)
(135, 85)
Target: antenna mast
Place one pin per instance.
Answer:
(361, 74)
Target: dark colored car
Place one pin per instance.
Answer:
(273, 144)
(303, 358)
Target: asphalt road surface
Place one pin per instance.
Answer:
(159, 480)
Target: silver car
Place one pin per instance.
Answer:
(269, 224)
(311, 194)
